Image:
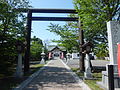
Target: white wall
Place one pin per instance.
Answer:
(75, 55)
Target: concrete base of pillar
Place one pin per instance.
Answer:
(19, 72)
(42, 61)
(88, 74)
(104, 82)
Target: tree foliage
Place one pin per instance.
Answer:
(68, 35)
(36, 48)
(94, 14)
(12, 28)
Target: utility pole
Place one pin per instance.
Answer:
(81, 38)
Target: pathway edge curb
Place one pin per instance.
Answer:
(79, 81)
(27, 81)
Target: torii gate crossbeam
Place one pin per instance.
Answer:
(29, 24)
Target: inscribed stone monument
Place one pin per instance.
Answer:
(113, 28)
(113, 38)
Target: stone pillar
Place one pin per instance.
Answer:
(19, 72)
(87, 73)
(113, 29)
(49, 55)
(113, 38)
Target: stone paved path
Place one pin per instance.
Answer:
(55, 76)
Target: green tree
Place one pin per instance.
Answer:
(68, 35)
(12, 27)
(36, 48)
(34, 39)
(94, 14)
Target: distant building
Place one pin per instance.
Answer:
(56, 52)
(75, 55)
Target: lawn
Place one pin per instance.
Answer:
(92, 82)
(10, 82)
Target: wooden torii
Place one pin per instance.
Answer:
(31, 18)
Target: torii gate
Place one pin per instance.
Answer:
(30, 18)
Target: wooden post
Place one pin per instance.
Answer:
(110, 77)
(28, 38)
(81, 38)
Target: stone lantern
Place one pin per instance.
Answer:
(43, 57)
(20, 49)
(68, 56)
(87, 49)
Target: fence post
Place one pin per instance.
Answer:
(110, 77)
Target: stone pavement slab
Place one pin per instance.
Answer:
(74, 63)
(55, 76)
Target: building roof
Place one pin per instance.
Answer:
(52, 47)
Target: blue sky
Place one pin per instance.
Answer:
(39, 27)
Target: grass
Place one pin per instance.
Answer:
(91, 83)
(34, 68)
(10, 82)
(37, 66)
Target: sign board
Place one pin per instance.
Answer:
(118, 59)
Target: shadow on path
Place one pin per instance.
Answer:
(53, 77)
